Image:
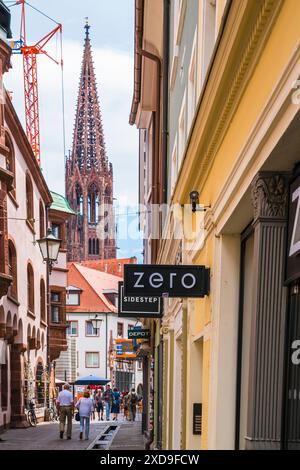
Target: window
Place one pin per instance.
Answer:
(93, 204)
(10, 160)
(174, 167)
(209, 33)
(42, 220)
(12, 266)
(29, 201)
(43, 300)
(140, 365)
(56, 306)
(79, 200)
(30, 288)
(72, 328)
(91, 359)
(192, 84)
(4, 382)
(93, 246)
(73, 298)
(120, 330)
(90, 330)
(182, 132)
(55, 228)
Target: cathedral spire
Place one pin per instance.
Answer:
(89, 175)
(88, 139)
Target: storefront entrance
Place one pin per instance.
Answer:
(292, 421)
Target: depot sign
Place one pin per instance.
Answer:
(166, 280)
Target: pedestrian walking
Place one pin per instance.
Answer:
(132, 400)
(108, 399)
(85, 406)
(115, 409)
(126, 405)
(99, 404)
(65, 409)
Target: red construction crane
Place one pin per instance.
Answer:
(30, 53)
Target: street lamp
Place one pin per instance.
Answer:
(49, 247)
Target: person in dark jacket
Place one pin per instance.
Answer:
(108, 400)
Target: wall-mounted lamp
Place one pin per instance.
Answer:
(49, 247)
(96, 322)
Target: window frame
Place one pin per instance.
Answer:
(91, 336)
(13, 271)
(72, 335)
(29, 202)
(30, 289)
(98, 356)
(43, 309)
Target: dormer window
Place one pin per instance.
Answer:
(73, 296)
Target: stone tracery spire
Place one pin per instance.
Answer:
(89, 175)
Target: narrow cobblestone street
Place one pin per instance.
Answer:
(46, 437)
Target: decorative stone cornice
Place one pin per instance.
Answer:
(269, 194)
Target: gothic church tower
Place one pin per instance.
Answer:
(89, 175)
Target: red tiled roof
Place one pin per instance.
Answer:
(92, 282)
(113, 266)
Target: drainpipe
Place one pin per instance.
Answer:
(48, 319)
(165, 129)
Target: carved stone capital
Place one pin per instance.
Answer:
(269, 194)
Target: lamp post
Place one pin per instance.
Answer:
(49, 247)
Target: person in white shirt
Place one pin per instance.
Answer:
(65, 408)
(85, 407)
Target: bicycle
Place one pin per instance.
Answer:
(30, 414)
(52, 413)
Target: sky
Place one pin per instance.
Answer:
(112, 38)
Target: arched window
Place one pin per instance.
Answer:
(42, 220)
(90, 246)
(10, 160)
(29, 200)
(93, 204)
(43, 300)
(94, 246)
(97, 246)
(79, 199)
(30, 288)
(12, 266)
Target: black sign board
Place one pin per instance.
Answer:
(139, 305)
(166, 280)
(293, 238)
(138, 334)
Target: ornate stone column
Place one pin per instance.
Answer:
(270, 203)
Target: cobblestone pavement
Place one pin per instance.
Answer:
(46, 437)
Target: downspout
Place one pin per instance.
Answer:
(48, 318)
(165, 129)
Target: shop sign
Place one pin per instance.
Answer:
(293, 238)
(166, 280)
(138, 306)
(138, 333)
